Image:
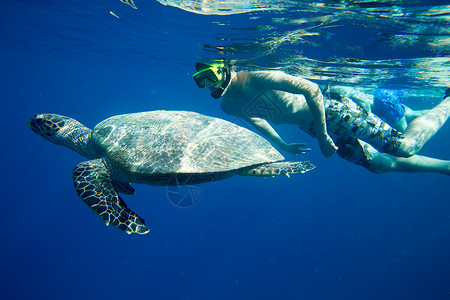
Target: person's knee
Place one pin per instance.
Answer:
(382, 163)
(407, 149)
(405, 152)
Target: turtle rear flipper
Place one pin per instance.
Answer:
(94, 186)
(278, 168)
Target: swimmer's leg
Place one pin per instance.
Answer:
(363, 154)
(423, 128)
(382, 162)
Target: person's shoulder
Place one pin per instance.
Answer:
(260, 78)
(266, 73)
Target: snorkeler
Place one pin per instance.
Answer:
(384, 103)
(340, 126)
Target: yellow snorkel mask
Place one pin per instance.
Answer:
(211, 74)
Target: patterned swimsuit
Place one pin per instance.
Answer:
(348, 125)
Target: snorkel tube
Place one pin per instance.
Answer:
(218, 92)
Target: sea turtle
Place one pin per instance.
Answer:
(157, 148)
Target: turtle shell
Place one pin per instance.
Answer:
(162, 142)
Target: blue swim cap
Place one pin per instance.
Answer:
(388, 106)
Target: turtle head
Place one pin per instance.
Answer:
(65, 131)
(49, 126)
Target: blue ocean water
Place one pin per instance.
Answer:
(337, 232)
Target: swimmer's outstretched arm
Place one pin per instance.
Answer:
(264, 127)
(277, 80)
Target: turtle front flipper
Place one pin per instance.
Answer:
(94, 186)
(123, 187)
(278, 168)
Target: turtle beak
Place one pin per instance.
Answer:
(33, 123)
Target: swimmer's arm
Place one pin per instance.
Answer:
(260, 124)
(264, 127)
(277, 80)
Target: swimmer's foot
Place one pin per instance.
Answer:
(447, 93)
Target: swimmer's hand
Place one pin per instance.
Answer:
(327, 145)
(295, 148)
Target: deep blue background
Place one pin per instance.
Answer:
(337, 232)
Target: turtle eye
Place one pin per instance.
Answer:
(40, 122)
